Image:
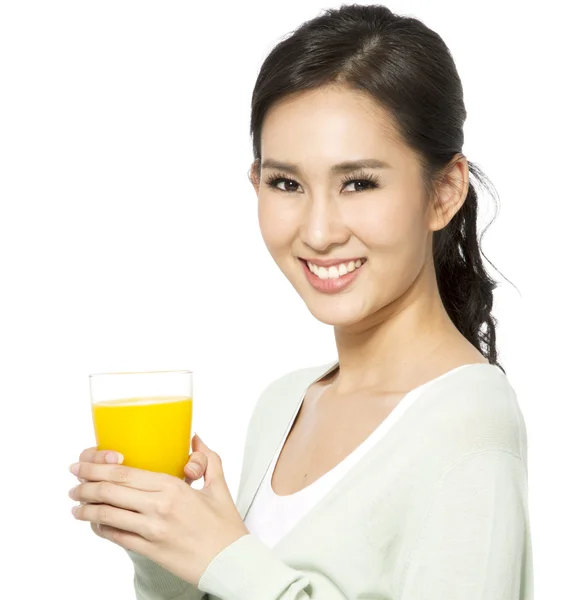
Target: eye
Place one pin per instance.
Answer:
(274, 180)
(369, 182)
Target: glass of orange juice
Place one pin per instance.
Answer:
(146, 416)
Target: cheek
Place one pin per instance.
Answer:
(394, 233)
(276, 223)
(385, 224)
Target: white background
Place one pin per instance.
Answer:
(129, 241)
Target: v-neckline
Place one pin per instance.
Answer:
(359, 466)
(258, 481)
(268, 476)
(402, 404)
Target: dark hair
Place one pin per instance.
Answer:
(408, 69)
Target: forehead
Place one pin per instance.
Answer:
(333, 121)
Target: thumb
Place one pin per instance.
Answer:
(214, 473)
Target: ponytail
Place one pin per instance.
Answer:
(465, 286)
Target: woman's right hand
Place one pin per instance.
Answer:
(193, 470)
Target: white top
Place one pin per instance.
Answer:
(271, 516)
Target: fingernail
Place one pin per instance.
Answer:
(74, 510)
(74, 468)
(114, 458)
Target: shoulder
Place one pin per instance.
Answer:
(470, 410)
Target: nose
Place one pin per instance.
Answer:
(322, 225)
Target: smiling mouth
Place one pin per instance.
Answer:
(335, 271)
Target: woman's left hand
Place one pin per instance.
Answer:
(161, 516)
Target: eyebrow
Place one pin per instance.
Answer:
(343, 167)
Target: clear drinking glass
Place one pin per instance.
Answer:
(146, 416)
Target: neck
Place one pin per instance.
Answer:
(398, 344)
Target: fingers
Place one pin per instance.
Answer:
(95, 529)
(115, 517)
(196, 465)
(139, 479)
(104, 492)
(104, 532)
(100, 456)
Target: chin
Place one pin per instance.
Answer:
(336, 311)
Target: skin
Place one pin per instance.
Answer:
(391, 329)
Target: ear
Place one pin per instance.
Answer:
(253, 175)
(451, 191)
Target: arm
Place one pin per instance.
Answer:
(475, 542)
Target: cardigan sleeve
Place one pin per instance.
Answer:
(153, 582)
(475, 543)
(248, 569)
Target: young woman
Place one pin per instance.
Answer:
(399, 471)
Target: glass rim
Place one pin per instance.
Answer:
(182, 371)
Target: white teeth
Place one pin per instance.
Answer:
(336, 271)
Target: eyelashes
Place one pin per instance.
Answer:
(372, 181)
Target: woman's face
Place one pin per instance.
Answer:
(309, 216)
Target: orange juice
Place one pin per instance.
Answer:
(151, 433)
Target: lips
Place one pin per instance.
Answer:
(334, 279)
